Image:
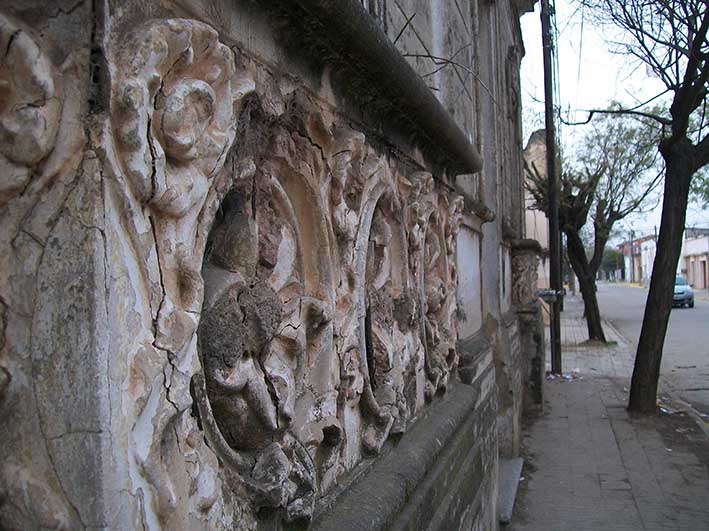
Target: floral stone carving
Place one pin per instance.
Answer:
(311, 295)
(392, 349)
(174, 114)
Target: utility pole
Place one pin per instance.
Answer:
(632, 257)
(554, 240)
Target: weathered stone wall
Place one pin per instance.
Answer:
(526, 260)
(225, 291)
(536, 223)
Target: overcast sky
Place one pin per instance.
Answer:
(590, 76)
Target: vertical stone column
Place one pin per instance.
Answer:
(525, 260)
(55, 438)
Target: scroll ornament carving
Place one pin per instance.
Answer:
(435, 291)
(174, 115)
(450, 325)
(174, 107)
(380, 351)
(30, 108)
(356, 173)
(346, 191)
(382, 402)
(392, 338)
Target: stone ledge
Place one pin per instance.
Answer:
(374, 500)
(510, 472)
(472, 352)
(369, 71)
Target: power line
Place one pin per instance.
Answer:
(578, 59)
(556, 87)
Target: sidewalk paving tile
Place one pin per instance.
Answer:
(590, 465)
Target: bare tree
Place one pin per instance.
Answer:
(611, 177)
(670, 37)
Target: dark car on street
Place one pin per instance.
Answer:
(684, 295)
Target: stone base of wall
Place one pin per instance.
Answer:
(437, 477)
(532, 333)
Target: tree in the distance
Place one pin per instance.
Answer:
(670, 38)
(610, 177)
(612, 261)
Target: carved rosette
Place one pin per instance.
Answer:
(30, 108)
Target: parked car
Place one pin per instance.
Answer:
(684, 295)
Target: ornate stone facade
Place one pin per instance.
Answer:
(221, 295)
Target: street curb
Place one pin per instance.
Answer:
(700, 297)
(617, 332)
(686, 407)
(689, 410)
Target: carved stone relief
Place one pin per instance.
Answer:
(524, 277)
(394, 355)
(303, 294)
(176, 97)
(433, 227)
(30, 108)
(262, 333)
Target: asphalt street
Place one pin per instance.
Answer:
(685, 361)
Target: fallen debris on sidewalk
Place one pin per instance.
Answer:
(573, 375)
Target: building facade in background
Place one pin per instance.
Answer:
(648, 249)
(695, 255)
(638, 257)
(536, 222)
(264, 264)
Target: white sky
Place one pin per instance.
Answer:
(590, 77)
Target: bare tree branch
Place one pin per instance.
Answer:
(406, 25)
(591, 113)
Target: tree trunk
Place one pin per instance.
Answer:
(587, 285)
(678, 174)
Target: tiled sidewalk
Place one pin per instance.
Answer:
(590, 466)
